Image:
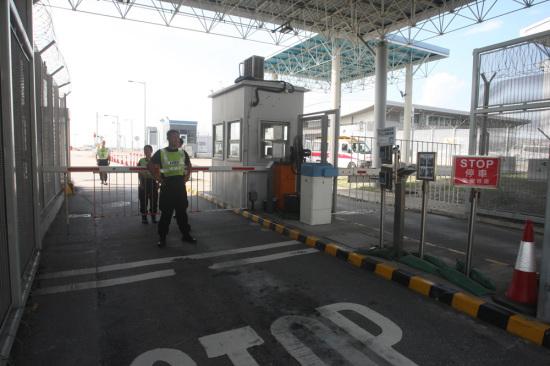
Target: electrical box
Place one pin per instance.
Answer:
(253, 67)
(316, 184)
(386, 154)
(385, 178)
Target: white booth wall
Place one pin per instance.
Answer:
(233, 104)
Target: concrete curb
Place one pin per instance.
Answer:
(533, 331)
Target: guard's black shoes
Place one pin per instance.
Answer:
(188, 238)
(154, 219)
(161, 243)
(144, 220)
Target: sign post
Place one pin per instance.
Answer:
(476, 172)
(386, 136)
(425, 171)
(386, 140)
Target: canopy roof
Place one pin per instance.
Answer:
(311, 59)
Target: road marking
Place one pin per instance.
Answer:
(233, 343)
(104, 283)
(152, 262)
(265, 258)
(172, 357)
(497, 262)
(455, 251)
(344, 336)
(380, 346)
(436, 246)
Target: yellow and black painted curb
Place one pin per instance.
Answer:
(475, 307)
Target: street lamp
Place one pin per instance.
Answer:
(117, 129)
(144, 107)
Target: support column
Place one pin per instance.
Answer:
(380, 87)
(334, 129)
(336, 100)
(407, 114)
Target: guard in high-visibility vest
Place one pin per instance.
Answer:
(172, 168)
(148, 189)
(103, 158)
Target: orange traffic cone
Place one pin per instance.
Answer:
(523, 288)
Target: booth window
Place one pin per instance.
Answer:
(218, 141)
(274, 140)
(234, 132)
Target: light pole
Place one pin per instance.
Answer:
(117, 129)
(144, 108)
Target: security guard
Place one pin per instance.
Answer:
(148, 188)
(103, 157)
(172, 168)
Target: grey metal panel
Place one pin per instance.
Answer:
(5, 279)
(21, 68)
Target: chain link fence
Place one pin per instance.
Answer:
(512, 88)
(52, 116)
(21, 94)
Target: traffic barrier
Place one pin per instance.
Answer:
(118, 193)
(523, 288)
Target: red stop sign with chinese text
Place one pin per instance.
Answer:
(476, 171)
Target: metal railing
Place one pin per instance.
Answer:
(360, 189)
(120, 194)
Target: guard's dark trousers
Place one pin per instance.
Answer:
(148, 196)
(173, 196)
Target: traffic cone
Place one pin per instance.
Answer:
(523, 288)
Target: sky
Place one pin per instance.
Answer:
(182, 68)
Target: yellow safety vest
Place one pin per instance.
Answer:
(103, 153)
(143, 162)
(173, 163)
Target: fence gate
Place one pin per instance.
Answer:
(510, 112)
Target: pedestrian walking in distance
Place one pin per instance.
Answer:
(172, 168)
(148, 189)
(103, 158)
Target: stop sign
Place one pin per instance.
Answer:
(476, 171)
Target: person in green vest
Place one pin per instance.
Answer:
(172, 168)
(103, 159)
(148, 188)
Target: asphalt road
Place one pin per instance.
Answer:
(494, 251)
(242, 296)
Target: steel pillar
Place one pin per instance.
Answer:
(407, 114)
(334, 129)
(380, 95)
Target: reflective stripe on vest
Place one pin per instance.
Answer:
(173, 163)
(103, 153)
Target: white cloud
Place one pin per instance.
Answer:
(445, 90)
(485, 27)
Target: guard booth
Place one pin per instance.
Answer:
(254, 123)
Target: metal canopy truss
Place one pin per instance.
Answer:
(311, 60)
(285, 22)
